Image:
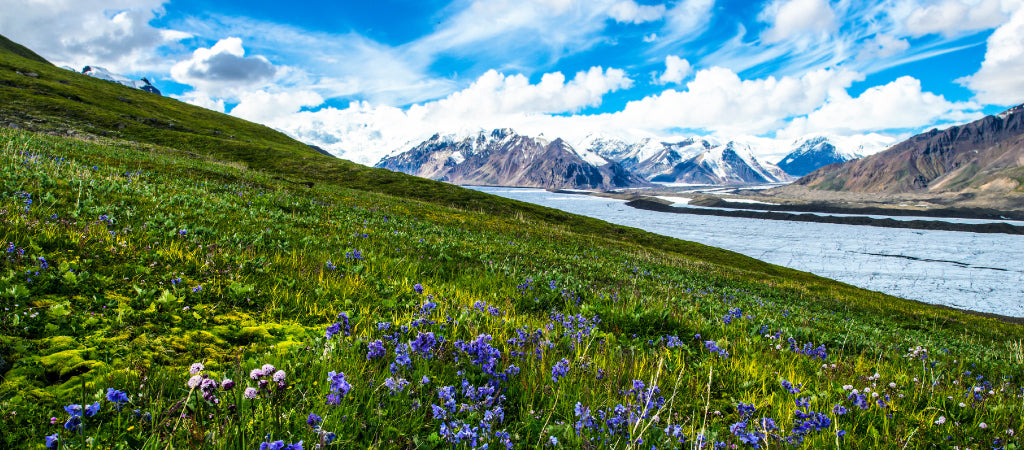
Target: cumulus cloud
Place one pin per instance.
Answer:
(495, 93)
(717, 99)
(789, 18)
(224, 64)
(952, 17)
(628, 11)
(900, 104)
(266, 107)
(999, 80)
(364, 132)
(676, 69)
(112, 33)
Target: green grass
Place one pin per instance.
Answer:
(130, 221)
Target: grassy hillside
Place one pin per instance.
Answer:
(406, 313)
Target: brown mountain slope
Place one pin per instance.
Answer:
(984, 156)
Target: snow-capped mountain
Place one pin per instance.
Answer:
(732, 163)
(104, 74)
(693, 160)
(506, 158)
(811, 154)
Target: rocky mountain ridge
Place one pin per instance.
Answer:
(986, 155)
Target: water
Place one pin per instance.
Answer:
(976, 271)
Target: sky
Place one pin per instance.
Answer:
(363, 79)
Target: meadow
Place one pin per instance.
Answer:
(155, 299)
(176, 278)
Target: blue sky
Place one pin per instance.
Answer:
(366, 78)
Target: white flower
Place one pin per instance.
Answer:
(279, 376)
(250, 393)
(196, 368)
(962, 405)
(847, 387)
(892, 385)
(194, 381)
(941, 420)
(255, 374)
(268, 369)
(983, 425)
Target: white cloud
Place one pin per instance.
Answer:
(686, 20)
(203, 100)
(952, 17)
(628, 11)
(364, 132)
(115, 34)
(223, 66)
(717, 99)
(999, 81)
(651, 37)
(494, 93)
(883, 46)
(900, 104)
(266, 107)
(789, 18)
(676, 69)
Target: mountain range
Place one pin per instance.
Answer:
(504, 157)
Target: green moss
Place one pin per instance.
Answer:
(67, 363)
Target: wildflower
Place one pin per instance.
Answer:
(339, 387)
(712, 347)
(51, 440)
(196, 368)
(337, 327)
(425, 380)
(941, 420)
(198, 288)
(255, 374)
(559, 370)
(227, 384)
(376, 349)
(116, 396)
(279, 377)
(839, 410)
(553, 440)
(194, 381)
(268, 369)
(401, 358)
(250, 393)
(395, 385)
(983, 425)
(424, 343)
(314, 420)
(91, 410)
(418, 288)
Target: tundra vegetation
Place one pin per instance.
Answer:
(167, 287)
